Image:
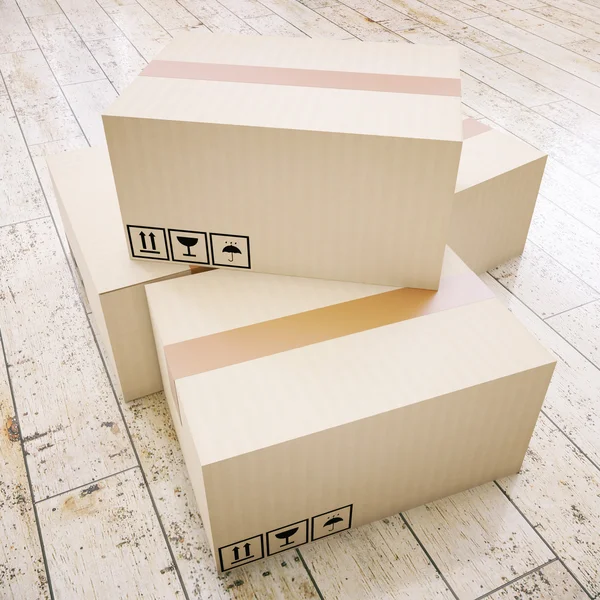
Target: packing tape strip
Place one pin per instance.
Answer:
(346, 80)
(235, 346)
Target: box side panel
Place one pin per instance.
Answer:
(190, 456)
(381, 465)
(490, 221)
(355, 208)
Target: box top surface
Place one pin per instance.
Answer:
(173, 94)
(258, 403)
(86, 192)
(489, 153)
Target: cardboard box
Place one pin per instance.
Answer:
(305, 407)
(114, 284)
(497, 186)
(313, 158)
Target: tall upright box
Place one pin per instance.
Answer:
(314, 158)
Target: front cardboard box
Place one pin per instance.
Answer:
(305, 407)
(315, 158)
(113, 283)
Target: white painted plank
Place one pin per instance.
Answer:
(467, 111)
(478, 540)
(532, 23)
(484, 69)
(567, 85)
(575, 118)
(558, 490)
(575, 7)
(89, 20)
(274, 25)
(14, 31)
(381, 13)
(459, 10)
(37, 8)
(380, 560)
(577, 154)
(67, 55)
(88, 101)
(22, 571)
(21, 197)
(571, 401)
(453, 28)
(308, 21)
(153, 434)
(140, 28)
(567, 240)
(63, 395)
(216, 17)
(581, 327)
(568, 20)
(119, 59)
(588, 48)
(104, 541)
(595, 179)
(542, 283)
(524, 4)
(179, 30)
(169, 13)
(41, 108)
(550, 583)
(247, 9)
(358, 25)
(555, 55)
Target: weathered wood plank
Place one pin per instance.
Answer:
(14, 31)
(104, 541)
(595, 179)
(550, 583)
(381, 13)
(278, 578)
(575, 7)
(381, 560)
(119, 59)
(216, 17)
(37, 8)
(588, 48)
(274, 25)
(88, 101)
(581, 327)
(22, 570)
(140, 28)
(70, 423)
(89, 20)
(21, 197)
(358, 25)
(169, 13)
(575, 118)
(247, 9)
(41, 108)
(568, 20)
(558, 490)
(478, 540)
(542, 283)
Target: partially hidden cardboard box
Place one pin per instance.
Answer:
(498, 182)
(305, 407)
(113, 282)
(315, 158)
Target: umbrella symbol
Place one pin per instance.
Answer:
(232, 249)
(332, 522)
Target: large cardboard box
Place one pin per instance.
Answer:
(114, 284)
(498, 182)
(305, 407)
(313, 158)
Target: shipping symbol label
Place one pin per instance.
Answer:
(148, 242)
(241, 553)
(331, 522)
(230, 250)
(188, 246)
(287, 537)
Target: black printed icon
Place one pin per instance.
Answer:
(148, 242)
(189, 246)
(286, 537)
(241, 553)
(230, 250)
(331, 522)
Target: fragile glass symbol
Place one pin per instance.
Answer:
(332, 522)
(286, 535)
(188, 242)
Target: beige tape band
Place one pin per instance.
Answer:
(473, 127)
(345, 80)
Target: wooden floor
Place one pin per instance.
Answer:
(94, 497)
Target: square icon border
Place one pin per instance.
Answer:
(187, 262)
(168, 258)
(212, 251)
(312, 522)
(290, 547)
(242, 563)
